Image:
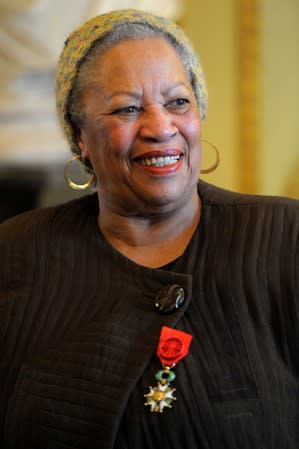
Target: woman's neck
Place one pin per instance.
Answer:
(149, 241)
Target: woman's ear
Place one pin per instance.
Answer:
(82, 141)
(82, 145)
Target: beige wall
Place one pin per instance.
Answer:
(280, 97)
(213, 27)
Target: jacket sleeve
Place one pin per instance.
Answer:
(290, 293)
(21, 270)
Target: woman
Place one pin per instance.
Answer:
(101, 297)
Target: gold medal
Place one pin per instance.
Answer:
(173, 346)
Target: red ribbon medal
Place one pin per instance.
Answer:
(172, 347)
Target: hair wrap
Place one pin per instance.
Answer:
(82, 39)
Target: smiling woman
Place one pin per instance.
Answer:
(141, 134)
(156, 275)
(134, 110)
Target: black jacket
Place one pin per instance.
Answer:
(79, 330)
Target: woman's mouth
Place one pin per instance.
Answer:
(161, 165)
(160, 161)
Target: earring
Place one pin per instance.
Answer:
(216, 163)
(72, 184)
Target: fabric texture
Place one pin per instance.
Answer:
(78, 331)
(82, 39)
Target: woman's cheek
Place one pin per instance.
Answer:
(193, 124)
(121, 141)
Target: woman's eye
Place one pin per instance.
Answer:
(127, 110)
(178, 103)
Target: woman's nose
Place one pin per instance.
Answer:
(157, 124)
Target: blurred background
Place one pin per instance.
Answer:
(250, 53)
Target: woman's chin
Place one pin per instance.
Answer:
(165, 199)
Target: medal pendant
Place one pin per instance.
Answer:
(161, 396)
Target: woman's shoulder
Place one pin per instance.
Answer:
(213, 195)
(39, 221)
(276, 218)
(33, 240)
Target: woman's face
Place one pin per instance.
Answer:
(142, 128)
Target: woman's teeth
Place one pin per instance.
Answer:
(160, 161)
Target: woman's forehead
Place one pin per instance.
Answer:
(136, 57)
(128, 67)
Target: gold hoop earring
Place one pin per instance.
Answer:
(72, 184)
(213, 167)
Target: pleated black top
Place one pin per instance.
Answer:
(79, 330)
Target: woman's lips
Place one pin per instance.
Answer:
(160, 162)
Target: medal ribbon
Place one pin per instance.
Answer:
(173, 346)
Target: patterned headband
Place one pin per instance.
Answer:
(82, 39)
